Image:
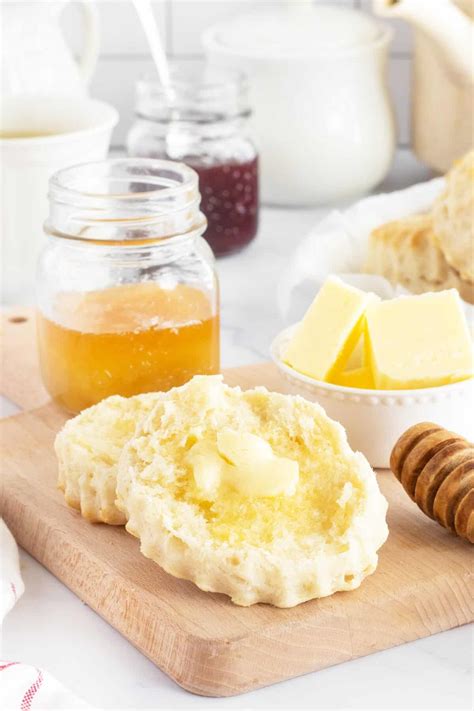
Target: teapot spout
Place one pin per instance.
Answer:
(448, 27)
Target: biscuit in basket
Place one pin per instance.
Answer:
(313, 530)
(453, 217)
(406, 252)
(88, 448)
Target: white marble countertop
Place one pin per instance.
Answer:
(51, 628)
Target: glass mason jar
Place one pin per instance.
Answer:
(127, 290)
(202, 120)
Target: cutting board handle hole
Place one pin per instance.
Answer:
(18, 319)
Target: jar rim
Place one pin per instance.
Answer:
(60, 180)
(124, 201)
(199, 92)
(190, 72)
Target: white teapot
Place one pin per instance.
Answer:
(443, 73)
(322, 114)
(34, 56)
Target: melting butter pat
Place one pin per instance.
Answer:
(244, 462)
(254, 468)
(207, 468)
(330, 330)
(419, 341)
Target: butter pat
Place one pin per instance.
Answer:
(207, 468)
(244, 462)
(419, 341)
(254, 468)
(329, 331)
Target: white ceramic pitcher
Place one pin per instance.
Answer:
(34, 56)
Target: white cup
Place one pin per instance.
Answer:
(38, 136)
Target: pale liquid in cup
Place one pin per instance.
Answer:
(27, 134)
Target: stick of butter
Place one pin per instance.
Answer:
(329, 331)
(354, 378)
(357, 358)
(356, 373)
(419, 341)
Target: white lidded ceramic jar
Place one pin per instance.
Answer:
(323, 118)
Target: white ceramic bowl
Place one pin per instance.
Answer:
(374, 419)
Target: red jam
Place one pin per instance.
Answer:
(229, 199)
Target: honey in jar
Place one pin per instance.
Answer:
(126, 340)
(127, 288)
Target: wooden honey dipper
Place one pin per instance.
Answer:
(436, 469)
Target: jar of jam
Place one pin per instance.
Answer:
(202, 120)
(127, 290)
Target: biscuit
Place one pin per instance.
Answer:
(88, 448)
(406, 252)
(453, 218)
(281, 549)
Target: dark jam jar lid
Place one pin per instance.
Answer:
(199, 93)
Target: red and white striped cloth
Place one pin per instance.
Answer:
(22, 686)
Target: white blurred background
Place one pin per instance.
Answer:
(125, 57)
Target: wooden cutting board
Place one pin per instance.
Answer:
(204, 642)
